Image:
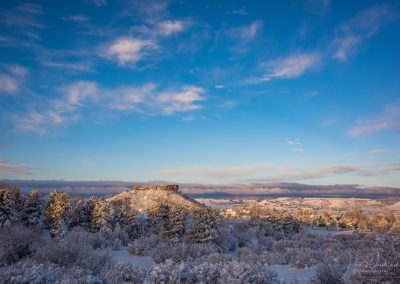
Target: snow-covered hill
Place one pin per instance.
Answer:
(143, 198)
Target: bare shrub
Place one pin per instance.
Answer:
(16, 242)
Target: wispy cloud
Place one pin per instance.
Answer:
(223, 172)
(180, 101)
(7, 167)
(168, 28)
(79, 98)
(69, 66)
(246, 33)
(240, 12)
(98, 3)
(296, 145)
(31, 8)
(11, 78)
(318, 7)
(351, 34)
(129, 50)
(77, 18)
(389, 120)
(288, 67)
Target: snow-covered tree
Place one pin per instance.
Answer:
(158, 216)
(175, 224)
(87, 212)
(100, 216)
(76, 217)
(57, 212)
(7, 207)
(205, 225)
(32, 212)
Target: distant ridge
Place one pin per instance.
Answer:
(199, 190)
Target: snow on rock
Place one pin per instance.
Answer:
(145, 197)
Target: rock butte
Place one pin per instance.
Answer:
(167, 187)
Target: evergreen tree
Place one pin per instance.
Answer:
(76, 217)
(175, 224)
(205, 225)
(100, 217)
(158, 216)
(57, 212)
(32, 212)
(87, 212)
(8, 212)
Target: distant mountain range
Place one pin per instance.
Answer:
(197, 190)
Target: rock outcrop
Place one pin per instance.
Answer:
(143, 198)
(167, 187)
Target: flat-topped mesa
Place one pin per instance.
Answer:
(163, 187)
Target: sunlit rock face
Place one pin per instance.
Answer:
(142, 198)
(166, 187)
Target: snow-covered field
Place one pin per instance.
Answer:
(287, 274)
(328, 233)
(123, 256)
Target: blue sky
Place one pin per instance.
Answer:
(201, 91)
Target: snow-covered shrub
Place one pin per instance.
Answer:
(129, 273)
(117, 244)
(329, 273)
(29, 271)
(144, 245)
(74, 250)
(16, 242)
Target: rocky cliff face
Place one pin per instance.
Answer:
(143, 198)
(165, 187)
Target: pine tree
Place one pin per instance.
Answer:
(205, 225)
(87, 212)
(175, 224)
(57, 212)
(32, 212)
(158, 216)
(7, 207)
(76, 217)
(101, 216)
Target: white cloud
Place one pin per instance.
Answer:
(167, 28)
(389, 120)
(8, 84)
(289, 67)
(129, 98)
(11, 81)
(79, 98)
(351, 34)
(77, 92)
(180, 101)
(129, 50)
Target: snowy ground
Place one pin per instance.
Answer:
(291, 275)
(328, 233)
(123, 256)
(285, 273)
